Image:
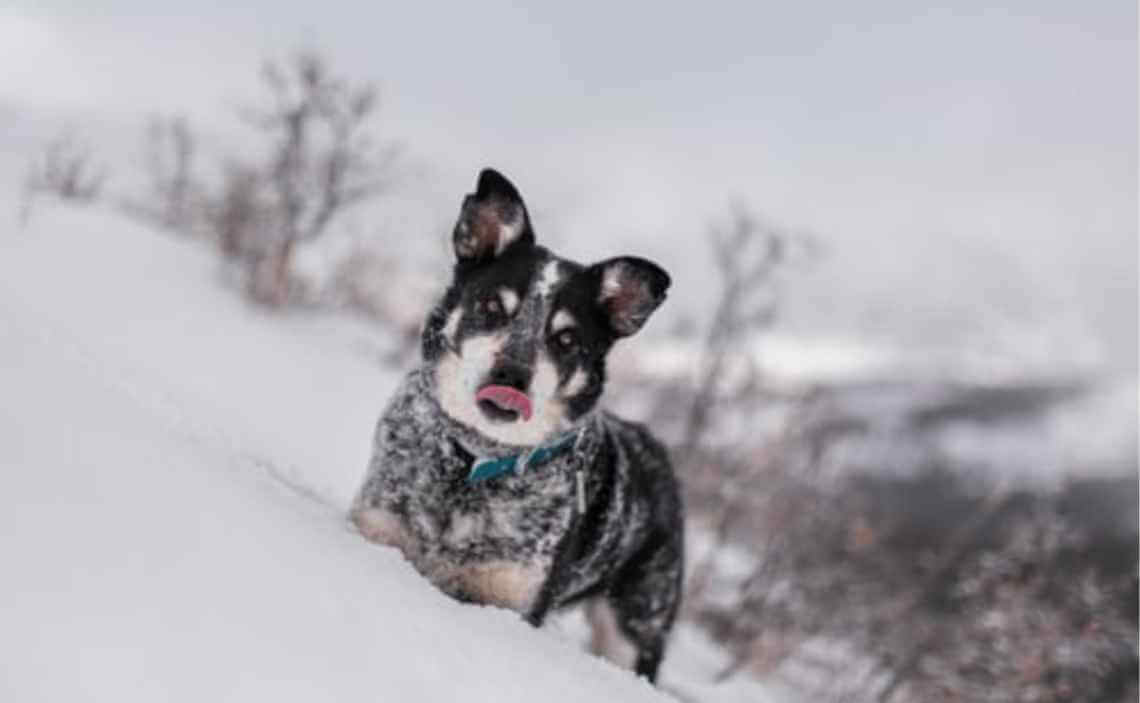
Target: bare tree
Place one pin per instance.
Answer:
(240, 214)
(65, 169)
(171, 154)
(322, 161)
(749, 254)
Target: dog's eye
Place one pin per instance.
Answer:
(566, 340)
(492, 306)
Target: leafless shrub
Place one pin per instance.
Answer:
(925, 589)
(313, 157)
(750, 254)
(321, 162)
(66, 170)
(863, 586)
(174, 196)
(240, 214)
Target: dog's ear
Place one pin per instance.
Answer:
(492, 220)
(629, 289)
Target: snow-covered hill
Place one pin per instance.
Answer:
(174, 470)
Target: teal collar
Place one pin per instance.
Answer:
(484, 469)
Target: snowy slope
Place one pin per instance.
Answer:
(151, 551)
(174, 470)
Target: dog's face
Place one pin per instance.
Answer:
(518, 343)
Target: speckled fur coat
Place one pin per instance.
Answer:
(522, 541)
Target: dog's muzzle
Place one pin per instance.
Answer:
(503, 403)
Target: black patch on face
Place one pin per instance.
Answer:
(607, 301)
(591, 340)
(472, 288)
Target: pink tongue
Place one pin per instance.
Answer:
(507, 398)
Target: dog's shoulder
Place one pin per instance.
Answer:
(404, 428)
(639, 444)
(647, 469)
(409, 400)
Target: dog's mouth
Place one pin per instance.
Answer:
(503, 403)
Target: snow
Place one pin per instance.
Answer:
(176, 469)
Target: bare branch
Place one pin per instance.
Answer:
(323, 159)
(66, 170)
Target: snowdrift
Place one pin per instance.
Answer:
(174, 469)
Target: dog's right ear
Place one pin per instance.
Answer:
(629, 290)
(492, 220)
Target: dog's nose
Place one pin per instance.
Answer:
(507, 373)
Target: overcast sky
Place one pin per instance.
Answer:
(955, 162)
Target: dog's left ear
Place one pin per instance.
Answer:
(629, 290)
(492, 220)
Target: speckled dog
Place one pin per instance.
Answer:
(494, 472)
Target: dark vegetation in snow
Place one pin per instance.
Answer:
(314, 156)
(66, 169)
(946, 579)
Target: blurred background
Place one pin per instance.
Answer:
(898, 365)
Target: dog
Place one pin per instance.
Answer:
(493, 469)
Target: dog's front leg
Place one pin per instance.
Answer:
(380, 525)
(544, 599)
(555, 582)
(373, 515)
(537, 613)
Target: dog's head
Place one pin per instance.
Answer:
(517, 346)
